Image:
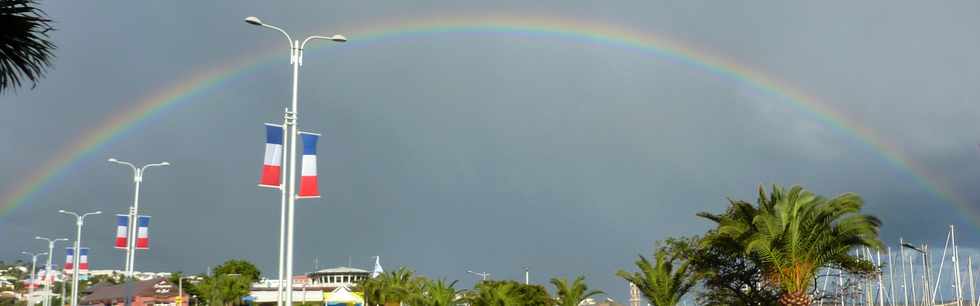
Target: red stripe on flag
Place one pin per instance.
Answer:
(270, 175)
(142, 243)
(120, 242)
(308, 187)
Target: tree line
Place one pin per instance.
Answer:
(757, 254)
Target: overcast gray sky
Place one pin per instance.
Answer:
(490, 151)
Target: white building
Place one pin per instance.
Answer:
(318, 286)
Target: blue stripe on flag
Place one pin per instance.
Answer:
(273, 134)
(143, 221)
(83, 252)
(122, 220)
(69, 251)
(309, 143)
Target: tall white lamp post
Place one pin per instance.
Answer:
(30, 289)
(79, 220)
(134, 212)
(47, 269)
(292, 115)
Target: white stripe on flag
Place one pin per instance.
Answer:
(273, 154)
(141, 232)
(121, 231)
(309, 165)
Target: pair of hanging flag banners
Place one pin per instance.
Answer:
(43, 277)
(82, 260)
(142, 232)
(272, 165)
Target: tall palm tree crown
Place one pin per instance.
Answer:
(25, 47)
(796, 233)
(661, 283)
(434, 293)
(572, 295)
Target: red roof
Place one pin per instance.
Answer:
(159, 287)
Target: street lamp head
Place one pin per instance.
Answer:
(338, 38)
(113, 160)
(98, 212)
(38, 237)
(253, 20)
(165, 164)
(61, 211)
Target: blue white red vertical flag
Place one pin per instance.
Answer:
(69, 259)
(82, 260)
(272, 164)
(143, 233)
(71, 262)
(122, 227)
(307, 180)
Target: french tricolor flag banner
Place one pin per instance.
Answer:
(82, 260)
(143, 233)
(272, 165)
(69, 259)
(122, 225)
(307, 180)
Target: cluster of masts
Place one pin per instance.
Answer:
(913, 289)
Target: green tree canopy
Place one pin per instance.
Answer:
(434, 293)
(509, 293)
(224, 289)
(795, 232)
(574, 293)
(662, 283)
(240, 267)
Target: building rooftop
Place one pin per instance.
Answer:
(111, 294)
(341, 270)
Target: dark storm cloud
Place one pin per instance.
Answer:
(491, 152)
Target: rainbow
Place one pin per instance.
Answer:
(595, 33)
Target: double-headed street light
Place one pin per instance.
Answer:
(291, 121)
(47, 269)
(30, 289)
(79, 220)
(134, 211)
(482, 275)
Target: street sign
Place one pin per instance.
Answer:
(178, 300)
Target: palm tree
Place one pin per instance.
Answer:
(372, 288)
(796, 233)
(498, 294)
(574, 294)
(25, 48)
(434, 293)
(390, 288)
(661, 283)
